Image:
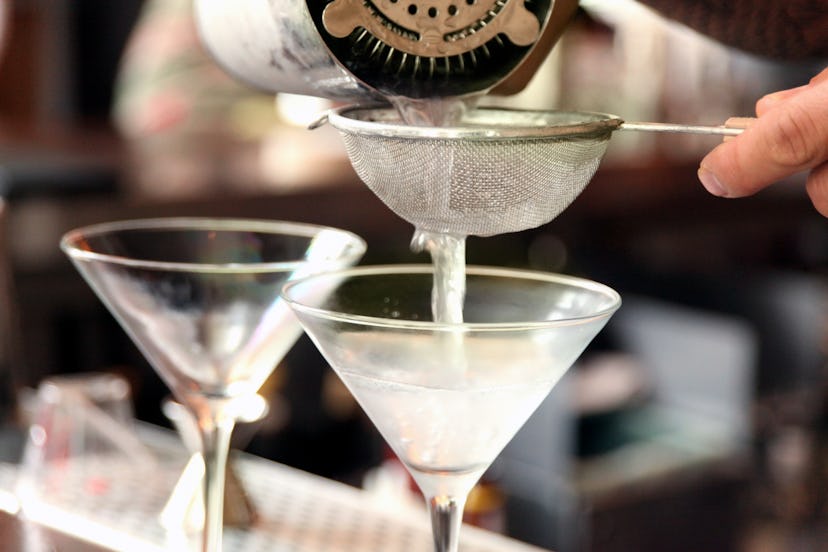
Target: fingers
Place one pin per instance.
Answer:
(817, 187)
(821, 77)
(790, 136)
(770, 101)
(777, 98)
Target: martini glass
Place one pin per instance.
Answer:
(200, 298)
(448, 397)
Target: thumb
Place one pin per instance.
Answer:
(790, 138)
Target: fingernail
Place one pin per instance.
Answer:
(711, 182)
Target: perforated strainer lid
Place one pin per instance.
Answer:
(431, 48)
(496, 171)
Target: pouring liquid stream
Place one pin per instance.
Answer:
(448, 255)
(435, 112)
(448, 251)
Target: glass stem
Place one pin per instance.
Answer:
(446, 518)
(215, 436)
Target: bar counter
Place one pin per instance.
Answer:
(113, 503)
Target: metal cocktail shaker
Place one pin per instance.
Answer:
(274, 45)
(284, 45)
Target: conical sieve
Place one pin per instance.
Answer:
(499, 171)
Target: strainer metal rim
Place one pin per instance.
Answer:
(590, 125)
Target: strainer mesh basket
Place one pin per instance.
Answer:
(490, 177)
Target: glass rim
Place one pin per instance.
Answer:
(473, 270)
(68, 242)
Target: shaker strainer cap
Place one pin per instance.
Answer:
(498, 171)
(430, 48)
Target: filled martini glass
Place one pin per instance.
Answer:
(447, 397)
(200, 299)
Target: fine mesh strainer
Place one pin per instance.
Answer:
(499, 171)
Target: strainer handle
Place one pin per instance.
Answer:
(732, 127)
(320, 121)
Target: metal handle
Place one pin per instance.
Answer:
(732, 127)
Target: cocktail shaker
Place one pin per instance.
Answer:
(274, 45)
(289, 46)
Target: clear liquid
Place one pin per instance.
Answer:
(448, 255)
(438, 432)
(448, 251)
(433, 111)
(446, 435)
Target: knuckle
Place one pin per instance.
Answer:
(793, 142)
(822, 76)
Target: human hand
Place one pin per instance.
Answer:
(789, 136)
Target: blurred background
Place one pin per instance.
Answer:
(697, 421)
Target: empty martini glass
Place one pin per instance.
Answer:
(200, 298)
(448, 397)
